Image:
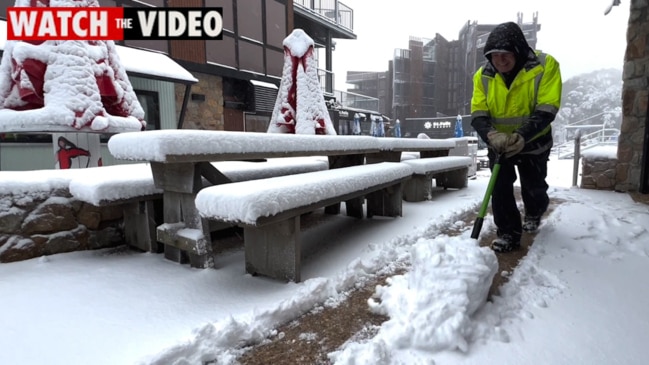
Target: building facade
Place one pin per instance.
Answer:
(238, 76)
(433, 77)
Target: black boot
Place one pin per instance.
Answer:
(531, 224)
(506, 243)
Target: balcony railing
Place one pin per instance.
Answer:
(331, 10)
(363, 76)
(357, 101)
(327, 81)
(346, 99)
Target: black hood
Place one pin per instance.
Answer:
(508, 37)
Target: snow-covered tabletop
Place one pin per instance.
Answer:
(200, 145)
(415, 144)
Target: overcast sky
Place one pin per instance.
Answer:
(576, 32)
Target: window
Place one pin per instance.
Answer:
(254, 31)
(248, 19)
(228, 21)
(274, 62)
(222, 52)
(25, 137)
(275, 23)
(151, 105)
(251, 57)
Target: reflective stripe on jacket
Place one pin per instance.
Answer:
(537, 86)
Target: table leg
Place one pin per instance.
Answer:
(185, 234)
(352, 206)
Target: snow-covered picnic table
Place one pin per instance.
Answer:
(180, 159)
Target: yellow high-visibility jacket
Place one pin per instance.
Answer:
(537, 87)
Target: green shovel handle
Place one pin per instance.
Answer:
(477, 226)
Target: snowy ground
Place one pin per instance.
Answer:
(579, 297)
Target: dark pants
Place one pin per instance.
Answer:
(532, 170)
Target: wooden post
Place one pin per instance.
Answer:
(274, 250)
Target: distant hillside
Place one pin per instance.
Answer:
(592, 98)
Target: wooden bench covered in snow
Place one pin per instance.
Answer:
(393, 150)
(448, 172)
(132, 187)
(269, 210)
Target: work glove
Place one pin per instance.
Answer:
(498, 140)
(515, 144)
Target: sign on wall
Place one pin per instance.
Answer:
(76, 150)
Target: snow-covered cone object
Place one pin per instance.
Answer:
(78, 85)
(300, 106)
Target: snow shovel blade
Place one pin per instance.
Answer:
(477, 225)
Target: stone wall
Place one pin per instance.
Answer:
(635, 96)
(48, 223)
(203, 114)
(598, 172)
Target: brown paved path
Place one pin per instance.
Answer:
(329, 328)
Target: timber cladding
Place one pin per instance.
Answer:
(192, 51)
(187, 50)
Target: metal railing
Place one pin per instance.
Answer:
(363, 76)
(331, 10)
(327, 80)
(357, 101)
(601, 137)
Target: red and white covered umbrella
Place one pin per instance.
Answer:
(66, 85)
(300, 107)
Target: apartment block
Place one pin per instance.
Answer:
(433, 76)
